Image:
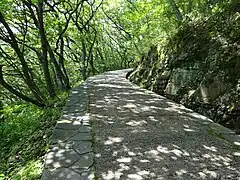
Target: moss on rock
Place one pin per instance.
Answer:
(200, 67)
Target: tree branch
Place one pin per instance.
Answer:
(16, 92)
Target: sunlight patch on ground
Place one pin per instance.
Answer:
(117, 174)
(130, 105)
(199, 116)
(124, 159)
(152, 118)
(136, 123)
(212, 148)
(144, 161)
(236, 153)
(188, 129)
(236, 143)
(213, 157)
(110, 85)
(135, 176)
(181, 172)
(112, 140)
(163, 149)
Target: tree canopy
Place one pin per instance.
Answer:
(49, 46)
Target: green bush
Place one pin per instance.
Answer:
(24, 137)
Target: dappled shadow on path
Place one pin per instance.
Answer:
(70, 155)
(141, 135)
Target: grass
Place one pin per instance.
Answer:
(218, 135)
(24, 137)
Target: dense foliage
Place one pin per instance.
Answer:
(48, 46)
(24, 140)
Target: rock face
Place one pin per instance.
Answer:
(200, 68)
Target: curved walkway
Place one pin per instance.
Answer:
(140, 135)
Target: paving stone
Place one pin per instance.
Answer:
(74, 116)
(58, 157)
(71, 126)
(80, 104)
(71, 156)
(63, 145)
(82, 137)
(61, 174)
(82, 147)
(83, 118)
(62, 135)
(74, 101)
(85, 162)
(82, 171)
(85, 123)
(78, 92)
(77, 122)
(75, 109)
(88, 175)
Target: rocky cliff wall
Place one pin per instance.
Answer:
(200, 67)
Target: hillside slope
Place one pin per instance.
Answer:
(199, 67)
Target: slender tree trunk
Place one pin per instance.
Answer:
(91, 62)
(176, 10)
(84, 68)
(26, 71)
(45, 65)
(61, 62)
(58, 70)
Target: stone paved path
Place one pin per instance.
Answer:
(140, 135)
(137, 135)
(71, 154)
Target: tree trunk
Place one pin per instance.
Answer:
(91, 62)
(84, 68)
(61, 62)
(26, 71)
(57, 67)
(44, 44)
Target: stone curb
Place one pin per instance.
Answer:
(71, 149)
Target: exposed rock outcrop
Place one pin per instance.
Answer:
(200, 67)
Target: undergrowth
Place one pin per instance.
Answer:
(24, 137)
